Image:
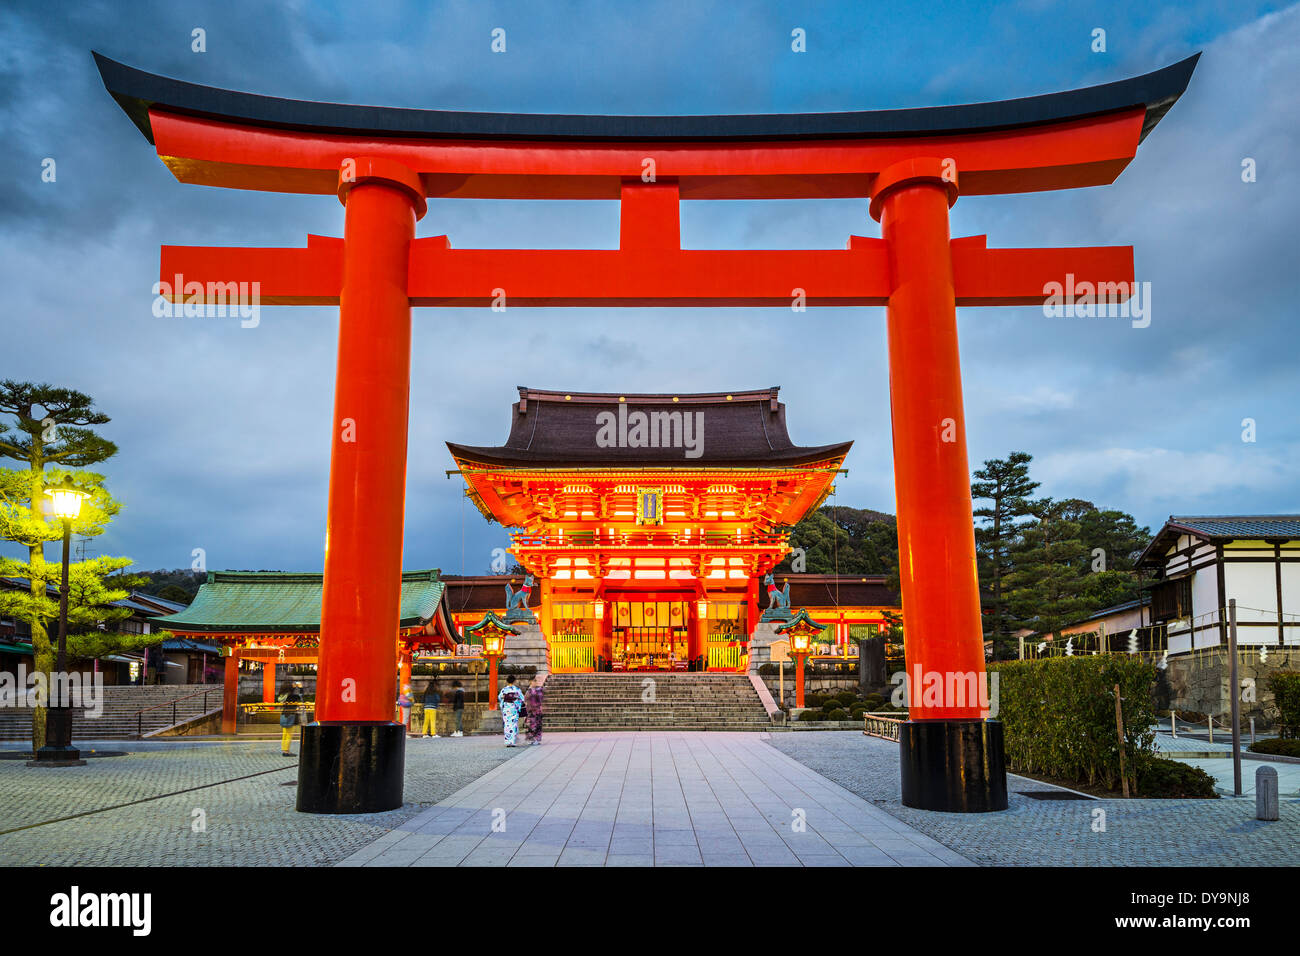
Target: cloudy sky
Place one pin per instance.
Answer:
(224, 431)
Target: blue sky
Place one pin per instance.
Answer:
(224, 431)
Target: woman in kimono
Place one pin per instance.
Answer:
(533, 715)
(511, 702)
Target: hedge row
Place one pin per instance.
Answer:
(1285, 686)
(1058, 717)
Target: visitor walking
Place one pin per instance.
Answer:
(404, 701)
(289, 717)
(432, 699)
(533, 715)
(511, 703)
(458, 706)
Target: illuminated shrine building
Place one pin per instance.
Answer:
(648, 521)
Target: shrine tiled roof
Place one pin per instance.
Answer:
(558, 429)
(138, 92)
(1218, 528)
(274, 601)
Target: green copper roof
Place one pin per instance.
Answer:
(472, 632)
(278, 601)
(801, 617)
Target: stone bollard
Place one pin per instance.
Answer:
(1266, 804)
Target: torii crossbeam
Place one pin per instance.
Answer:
(909, 167)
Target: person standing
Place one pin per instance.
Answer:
(289, 717)
(511, 702)
(458, 706)
(432, 699)
(404, 701)
(533, 715)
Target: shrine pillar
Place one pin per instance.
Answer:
(353, 755)
(230, 693)
(952, 758)
(268, 682)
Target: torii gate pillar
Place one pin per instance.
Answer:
(952, 758)
(353, 754)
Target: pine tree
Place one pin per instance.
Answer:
(1046, 588)
(50, 428)
(1004, 482)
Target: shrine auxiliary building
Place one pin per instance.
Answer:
(648, 522)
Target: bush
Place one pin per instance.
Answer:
(836, 714)
(874, 701)
(813, 700)
(1058, 716)
(1279, 746)
(811, 715)
(1160, 777)
(1285, 686)
(846, 697)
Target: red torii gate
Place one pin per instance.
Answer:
(383, 163)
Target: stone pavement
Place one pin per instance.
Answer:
(1220, 768)
(1033, 832)
(654, 799)
(188, 802)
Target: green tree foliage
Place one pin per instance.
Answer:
(1113, 542)
(1045, 564)
(845, 540)
(47, 428)
(1005, 484)
(178, 584)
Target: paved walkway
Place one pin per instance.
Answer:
(654, 799)
(1054, 832)
(1220, 768)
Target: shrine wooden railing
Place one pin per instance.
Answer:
(588, 540)
(882, 726)
(572, 646)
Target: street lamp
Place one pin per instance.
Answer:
(493, 650)
(800, 630)
(493, 632)
(58, 751)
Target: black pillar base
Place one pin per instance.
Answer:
(351, 767)
(50, 756)
(58, 750)
(957, 766)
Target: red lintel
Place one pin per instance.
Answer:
(441, 276)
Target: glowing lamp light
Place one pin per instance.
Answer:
(800, 641)
(66, 499)
(492, 644)
(702, 608)
(599, 610)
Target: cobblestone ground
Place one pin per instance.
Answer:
(248, 822)
(1059, 832)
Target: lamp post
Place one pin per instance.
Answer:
(801, 629)
(493, 650)
(58, 751)
(800, 644)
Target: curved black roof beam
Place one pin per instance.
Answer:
(137, 91)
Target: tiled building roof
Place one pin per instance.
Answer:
(559, 429)
(277, 601)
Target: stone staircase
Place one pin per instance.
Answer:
(118, 720)
(691, 701)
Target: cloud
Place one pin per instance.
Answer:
(223, 430)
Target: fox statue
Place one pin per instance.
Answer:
(517, 602)
(776, 599)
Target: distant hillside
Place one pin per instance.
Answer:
(847, 540)
(179, 584)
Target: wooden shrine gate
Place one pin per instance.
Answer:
(908, 166)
